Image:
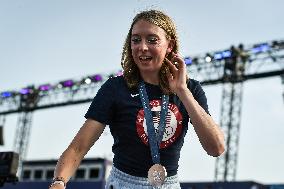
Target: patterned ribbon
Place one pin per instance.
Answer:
(154, 138)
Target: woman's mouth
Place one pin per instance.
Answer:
(145, 58)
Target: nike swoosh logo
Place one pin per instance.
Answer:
(134, 95)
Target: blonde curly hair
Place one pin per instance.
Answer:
(130, 69)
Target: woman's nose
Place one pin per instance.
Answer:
(143, 46)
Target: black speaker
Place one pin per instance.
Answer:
(1, 135)
(9, 162)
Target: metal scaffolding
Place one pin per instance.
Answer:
(226, 164)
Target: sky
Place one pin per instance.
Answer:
(50, 41)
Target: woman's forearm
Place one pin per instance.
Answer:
(209, 133)
(71, 158)
(67, 164)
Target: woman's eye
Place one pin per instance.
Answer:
(135, 40)
(152, 40)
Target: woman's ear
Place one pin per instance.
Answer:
(170, 46)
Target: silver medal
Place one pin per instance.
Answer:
(157, 175)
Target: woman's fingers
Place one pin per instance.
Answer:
(179, 60)
(172, 68)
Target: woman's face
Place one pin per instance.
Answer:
(149, 46)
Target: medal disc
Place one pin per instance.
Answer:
(157, 175)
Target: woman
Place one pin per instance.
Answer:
(147, 110)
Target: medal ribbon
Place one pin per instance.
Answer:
(154, 139)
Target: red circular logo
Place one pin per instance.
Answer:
(173, 123)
